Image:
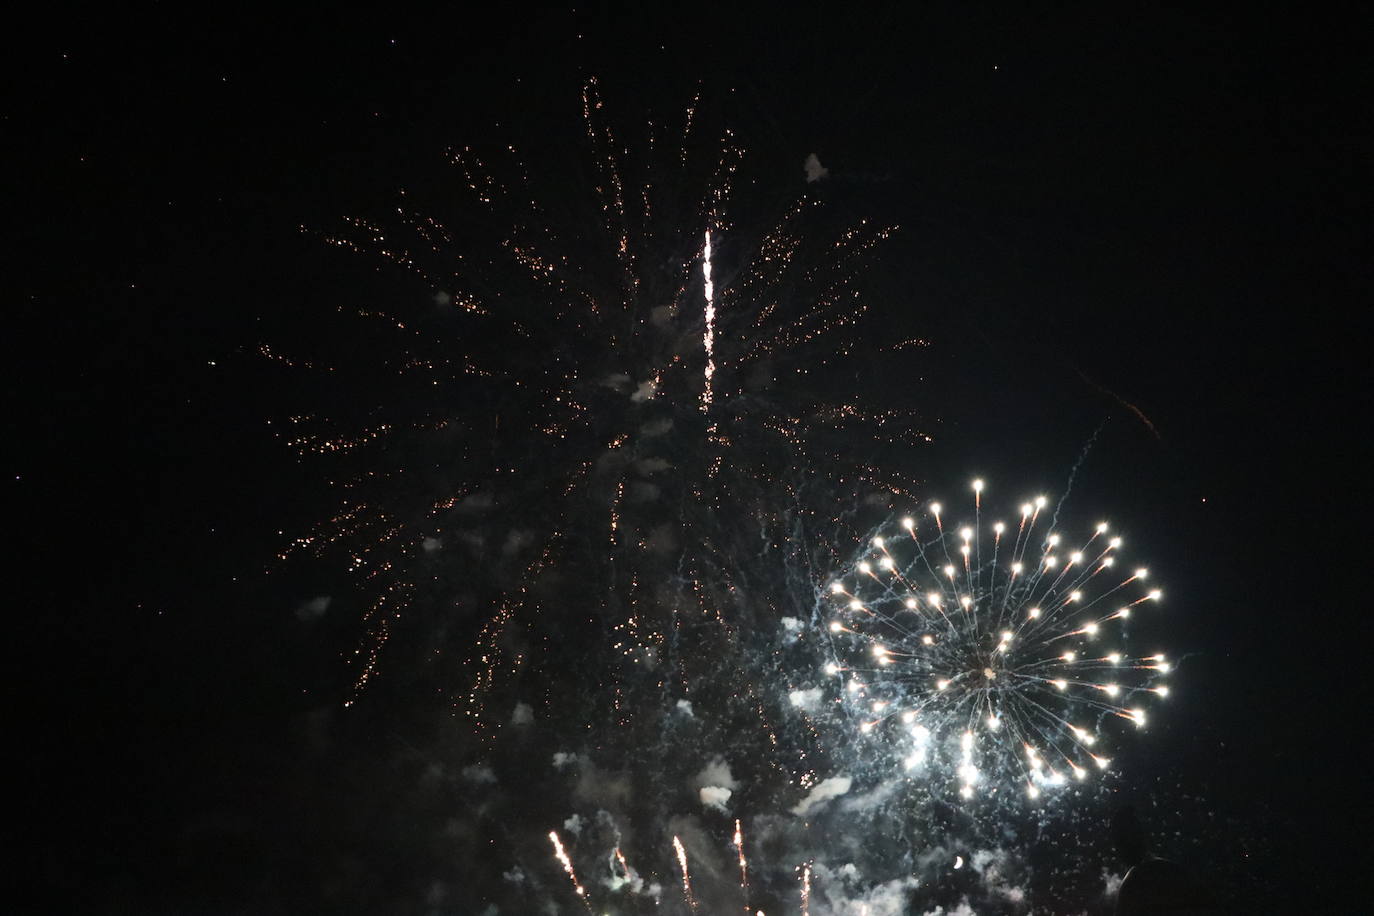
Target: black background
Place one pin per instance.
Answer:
(1165, 209)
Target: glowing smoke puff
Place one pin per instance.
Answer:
(823, 792)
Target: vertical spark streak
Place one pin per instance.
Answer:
(806, 890)
(743, 864)
(686, 881)
(709, 338)
(567, 865)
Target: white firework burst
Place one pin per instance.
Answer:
(990, 656)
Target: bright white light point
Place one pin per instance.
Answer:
(964, 550)
(965, 600)
(966, 742)
(1068, 656)
(994, 723)
(1032, 791)
(978, 486)
(1115, 542)
(1040, 502)
(879, 705)
(1139, 716)
(878, 542)
(908, 717)
(879, 651)
(832, 668)
(1109, 561)
(966, 533)
(967, 792)
(1091, 629)
(1075, 596)
(1111, 689)
(1075, 557)
(999, 527)
(1114, 658)
(928, 640)
(866, 727)
(1101, 527)
(1162, 666)
(934, 599)
(908, 523)
(856, 605)
(1016, 569)
(1124, 612)
(1061, 684)
(910, 604)
(853, 686)
(1053, 540)
(1025, 509)
(1034, 613)
(1156, 595)
(920, 733)
(1051, 562)
(935, 508)
(835, 626)
(1142, 573)
(1162, 691)
(1100, 761)
(959, 860)
(837, 588)
(1006, 636)
(1079, 772)
(941, 684)
(885, 562)
(865, 568)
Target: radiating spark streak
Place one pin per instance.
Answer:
(709, 336)
(743, 864)
(562, 857)
(686, 878)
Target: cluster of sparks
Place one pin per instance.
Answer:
(989, 655)
(621, 866)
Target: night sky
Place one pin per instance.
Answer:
(1155, 220)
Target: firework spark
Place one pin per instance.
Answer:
(562, 856)
(743, 863)
(681, 854)
(991, 655)
(708, 341)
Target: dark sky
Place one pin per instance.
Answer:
(1132, 206)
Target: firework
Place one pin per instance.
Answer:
(553, 388)
(990, 655)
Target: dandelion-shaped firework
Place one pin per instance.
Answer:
(989, 655)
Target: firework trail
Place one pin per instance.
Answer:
(743, 863)
(990, 656)
(681, 854)
(563, 859)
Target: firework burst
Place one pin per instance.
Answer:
(989, 656)
(580, 400)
